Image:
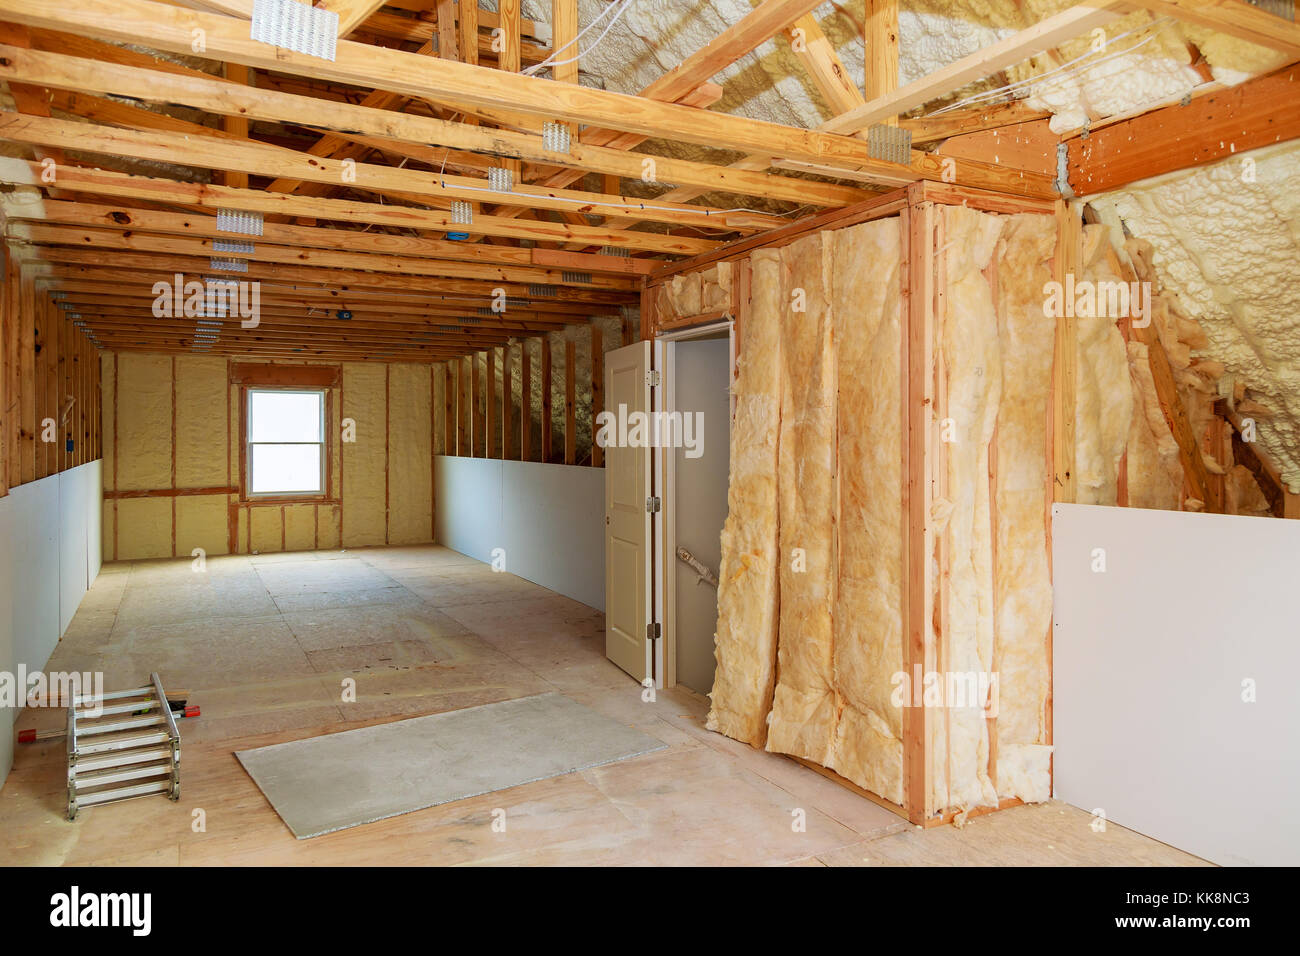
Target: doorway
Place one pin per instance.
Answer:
(697, 384)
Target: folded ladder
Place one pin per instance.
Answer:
(129, 748)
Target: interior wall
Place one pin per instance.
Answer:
(701, 380)
(172, 461)
(1174, 710)
(809, 636)
(49, 555)
(547, 520)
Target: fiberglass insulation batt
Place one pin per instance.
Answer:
(817, 469)
(745, 644)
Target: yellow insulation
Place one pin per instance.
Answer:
(969, 348)
(867, 745)
(804, 706)
(388, 465)
(1022, 579)
(745, 644)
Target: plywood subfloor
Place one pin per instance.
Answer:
(266, 643)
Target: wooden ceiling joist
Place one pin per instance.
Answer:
(218, 96)
(463, 85)
(1259, 112)
(341, 279)
(1017, 48)
(226, 154)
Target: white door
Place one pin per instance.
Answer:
(627, 517)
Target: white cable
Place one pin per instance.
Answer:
(550, 61)
(1011, 87)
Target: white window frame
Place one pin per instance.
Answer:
(322, 491)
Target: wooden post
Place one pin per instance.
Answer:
(463, 408)
(917, 382)
(525, 402)
(1069, 252)
(570, 403)
(546, 398)
(597, 392)
(881, 73)
(449, 410)
(448, 41)
(236, 125)
(477, 431)
(490, 396)
(467, 25)
(507, 403)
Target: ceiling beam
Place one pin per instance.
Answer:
(223, 154)
(1235, 18)
(766, 20)
(172, 29)
(461, 84)
(1256, 113)
(1016, 48)
(374, 118)
(39, 233)
(343, 280)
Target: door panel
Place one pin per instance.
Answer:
(627, 523)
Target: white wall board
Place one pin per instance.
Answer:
(1149, 660)
(548, 518)
(49, 555)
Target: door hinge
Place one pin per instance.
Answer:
(652, 377)
(652, 505)
(653, 631)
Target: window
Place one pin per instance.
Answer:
(286, 441)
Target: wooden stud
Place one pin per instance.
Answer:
(1066, 262)
(547, 400)
(507, 403)
(525, 402)
(490, 417)
(570, 403)
(597, 392)
(917, 382)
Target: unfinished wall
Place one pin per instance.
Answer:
(1149, 433)
(810, 644)
(172, 461)
(809, 629)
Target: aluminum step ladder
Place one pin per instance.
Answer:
(115, 757)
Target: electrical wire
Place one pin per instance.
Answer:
(619, 8)
(1038, 79)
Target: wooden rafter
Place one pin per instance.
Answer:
(169, 28)
(1257, 113)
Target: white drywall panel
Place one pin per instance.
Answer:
(547, 518)
(553, 517)
(467, 511)
(49, 544)
(1150, 657)
(7, 714)
(36, 569)
(94, 519)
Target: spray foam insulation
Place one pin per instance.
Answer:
(144, 421)
(1198, 222)
(745, 643)
(410, 517)
(387, 478)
